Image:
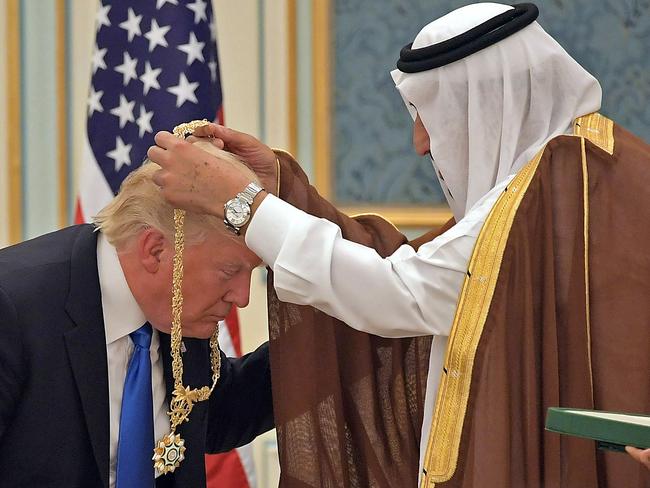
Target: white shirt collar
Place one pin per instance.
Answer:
(122, 314)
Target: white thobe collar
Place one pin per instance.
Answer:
(122, 314)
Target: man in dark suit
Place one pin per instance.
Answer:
(69, 301)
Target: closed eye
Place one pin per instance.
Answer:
(229, 272)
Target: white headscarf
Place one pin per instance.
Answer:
(489, 113)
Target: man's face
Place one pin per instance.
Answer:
(217, 274)
(421, 141)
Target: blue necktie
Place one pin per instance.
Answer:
(135, 444)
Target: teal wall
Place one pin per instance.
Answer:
(39, 134)
(42, 129)
(304, 82)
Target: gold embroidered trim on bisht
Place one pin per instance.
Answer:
(476, 295)
(596, 128)
(585, 218)
(599, 130)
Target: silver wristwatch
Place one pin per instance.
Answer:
(237, 211)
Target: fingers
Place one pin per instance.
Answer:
(634, 452)
(232, 139)
(173, 154)
(170, 149)
(218, 143)
(216, 131)
(159, 156)
(211, 131)
(166, 145)
(165, 139)
(208, 130)
(641, 455)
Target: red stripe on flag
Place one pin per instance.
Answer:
(232, 322)
(225, 470)
(78, 213)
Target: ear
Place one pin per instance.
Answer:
(151, 247)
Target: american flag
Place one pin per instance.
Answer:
(154, 66)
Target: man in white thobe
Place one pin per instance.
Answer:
(480, 118)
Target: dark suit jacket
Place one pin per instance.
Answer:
(54, 418)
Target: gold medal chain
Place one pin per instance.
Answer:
(184, 397)
(169, 451)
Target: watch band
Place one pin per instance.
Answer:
(249, 193)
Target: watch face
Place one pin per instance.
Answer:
(237, 212)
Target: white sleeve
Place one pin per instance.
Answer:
(407, 294)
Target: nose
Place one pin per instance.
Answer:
(239, 293)
(421, 141)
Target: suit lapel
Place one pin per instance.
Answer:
(167, 363)
(86, 345)
(196, 373)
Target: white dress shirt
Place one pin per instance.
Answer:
(406, 294)
(122, 315)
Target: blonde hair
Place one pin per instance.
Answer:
(139, 205)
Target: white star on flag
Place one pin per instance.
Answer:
(193, 49)
(124, 111)
(98, 59)
(144, 121)
(94, 101)
(150, 77)
(127, 68)
(102, 17)
(160, 3)
(213, 31)
(132, 25)
(156, 35)
(213, 69)
(184, 91)
(198, 7)
(120, 154)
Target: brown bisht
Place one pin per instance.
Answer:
(555, 311)
(348, 406)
